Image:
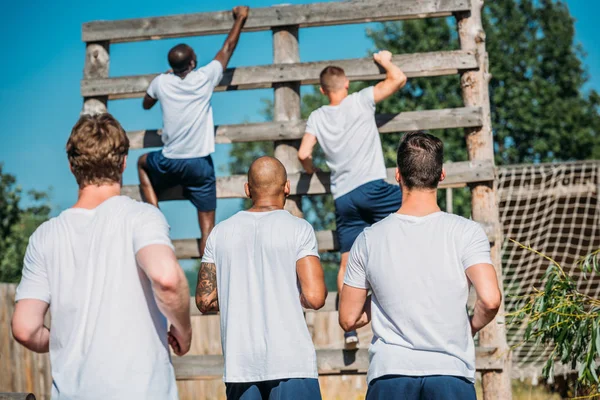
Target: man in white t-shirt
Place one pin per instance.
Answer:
(419, 264)
(107, 271)
(347, 133)
(188, 128)
(259, 269)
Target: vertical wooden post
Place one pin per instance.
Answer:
(287, 105)
(97, 61)
(449, 201)
(480, 145)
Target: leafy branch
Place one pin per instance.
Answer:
(565, 319)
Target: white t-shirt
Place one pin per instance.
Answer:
(415, 268)
(263, 331)
(108, 339)
(188, 127)
(348, 135)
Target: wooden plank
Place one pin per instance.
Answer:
(359, 69)
(484, 203)
(458, 174)
(286, 106)
(97, 61)
(329, 362)
(17, 396)
(289, 130)
(328, 307)
(327, 241)
(304, 15)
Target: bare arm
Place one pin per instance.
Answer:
(489, 298)
(394, 80)
(240, 14)
(28, 325)
(355, 308)
(148, 102)
(312, 282)
(207, 299)
(305, 153)
(171, 291)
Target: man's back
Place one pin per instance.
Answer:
(263, 331)
(108, 337)
(188, 127)
(348, 135)
(415, 267)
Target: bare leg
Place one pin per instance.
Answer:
(206, 220)
(147, 190)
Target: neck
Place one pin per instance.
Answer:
(92, 196)
(419, 203)
(267, 204)
(336, 98)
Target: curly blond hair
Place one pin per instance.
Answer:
(97, 149)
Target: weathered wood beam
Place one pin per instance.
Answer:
(17, 396)
(458, 174)
(484, 204)
(186, 249)
(97, 63)
(329, 362)
(264, 76)
(286, 106)
(288, 130)
(329, 304)
(304, 15)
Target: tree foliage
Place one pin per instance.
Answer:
(17, 224)
(539, 106)
(562, 317)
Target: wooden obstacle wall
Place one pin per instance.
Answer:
(198, 373)
(285, 76)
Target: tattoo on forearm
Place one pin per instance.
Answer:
(206, 290)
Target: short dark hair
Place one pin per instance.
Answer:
(180, 57)
(332, 78)
(97, 149)
(420, 160)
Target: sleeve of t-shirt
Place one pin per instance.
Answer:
(310, 125)
(477, 247)
(356, 269)
(307, 242)
(152, 90)
(209, 250)
(150, 228)
(34, 281)
(366, 99)
(213, 72)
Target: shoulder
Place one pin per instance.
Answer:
(211, 68)
(380, 226)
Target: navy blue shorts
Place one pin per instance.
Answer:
(195, 175)
(281, 389)
(362, 207)
(435, 387)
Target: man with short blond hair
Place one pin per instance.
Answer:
(106, 269)
(346, 131)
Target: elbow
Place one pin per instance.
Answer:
(168, 281)
(346, 323)
(316, 301)
(492, 303)
(303, 155)
(400, 79)
(146, 106)
(22, 332)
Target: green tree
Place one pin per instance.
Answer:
(540, 109)
(17, 224)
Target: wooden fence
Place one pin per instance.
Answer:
(198, 372)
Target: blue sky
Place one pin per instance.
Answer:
(43, 64)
